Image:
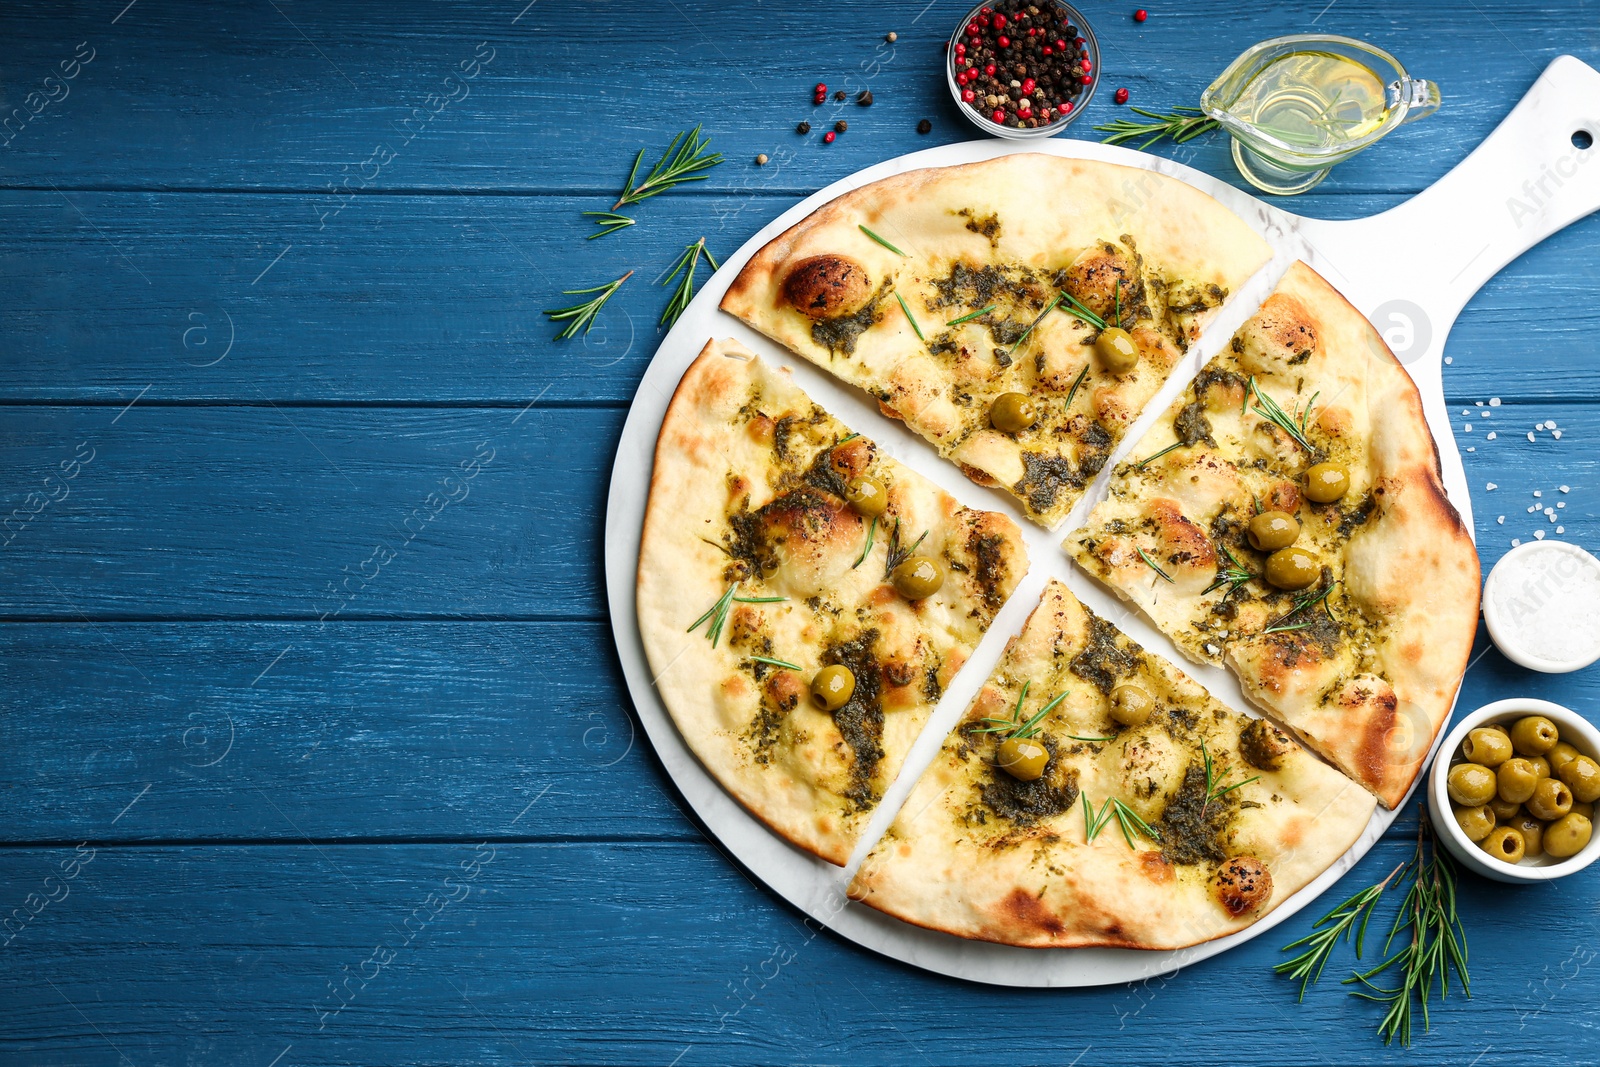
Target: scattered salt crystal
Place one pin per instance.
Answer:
(1478, 402)
(1464, 411)
(1501, 520)
(1449, 359)
(1491, 435)
(1556, 434)
(1491, 487)
(1561, 529)
(1566, 488)
(1466, 427)
(1515, 541)
(1561, 503)
(1539, 534)
(1530, 435)
(1538, 492)
(1550, 513)
(1532, 508)
(1551, 423)
(1471, 449)
(1494, 401)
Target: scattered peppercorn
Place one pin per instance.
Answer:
(840, 126)
(924, 126)
(821, 89)
(803, 128)
(891, 37)
(839, 96)
(1034, 74)
(828, 137)
(761, 160)
(1120, 96)
(1140, 15)
(864, 98)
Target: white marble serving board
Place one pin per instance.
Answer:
(1410, 269)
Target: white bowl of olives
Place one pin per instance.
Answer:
(1514, 789)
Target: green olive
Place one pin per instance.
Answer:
(1327, 482)
(1487, 747)
(1022, 758)
(831, 687)
(1532, 831)
(1541, 765)
(1475, 822)
(1470, 784)
(1584, 808)
(1560, 755)
(919, 577)
(1551, 799)
(1567, 835)
(1534, 735)
(1292, 568)
(1499, 727)
(1516, 779)
(867, 495)
(1272, 530)
(1504, 810)
(1130, 705)
(1504, 843)
(1013, 412)
(1115, 348)
(1582, 776)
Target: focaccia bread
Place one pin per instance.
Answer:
(939, 291)
(755, 573)
(1364, 658)
(1205, 820)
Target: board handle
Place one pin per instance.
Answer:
(1536, 173)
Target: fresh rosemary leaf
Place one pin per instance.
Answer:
(1144, 556)
(1273, 412)
(872, 529)
(1181, 124)
(1075, 737)
(911, 318)
(1036, 320)
(898, 554)
(717, 615)
(685, 266)
(1305, 601)
(1083, 313)
(609, 222)
(970, 316)
(683, 161)
(1347, 922)
(785, 664)
(760, 599)
(881, 241)
(1233, 575)
(1150, 459)
(1130, 822)
(1084, 373)
(581, 316)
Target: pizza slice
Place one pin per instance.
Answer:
(803, 600)
(1094, 795)
(1287, 517)
(1018, 313)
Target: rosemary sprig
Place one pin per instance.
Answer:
(1139, 466)
(1233, 575)
(881, 241)
(1144, 556)
(1037, 319)
(1082, 312)
(1084, 373)
(1437, 943)
(911, 318)
(1273, 412)
(686, 264)
(717, 614)
(1128, 821)
(1075, 737)
(609, 222)
(581, 316)
(785, 664)
(1092, 822)
(897, 553)
(1014, 727)
(679, 163)
(872, 529)
(1181, 124)
(1282, 625)
(1347, 922)
(1215, 789)
(970, 316)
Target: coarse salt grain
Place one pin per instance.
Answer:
(1466, 427)
(1491, 486)
(1501, 520)
(1494, 401)
(1449, 359)
(1530, 435)
(1556, 434)
(1561, 503)
(1538, 492)
(1515, 541)
(1539, 534)
(1561, 529)
(1566, 488)
(1490, 435)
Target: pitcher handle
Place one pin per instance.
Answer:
(1420, 97)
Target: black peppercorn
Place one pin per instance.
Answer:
(864, 98)
(838, 97)
(841, 126)
(804, 127)
(924, 126)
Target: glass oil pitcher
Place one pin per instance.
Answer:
(1298, 105)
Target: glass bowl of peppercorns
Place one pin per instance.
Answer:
(1022, 69)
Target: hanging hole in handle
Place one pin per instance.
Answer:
(1582, 139)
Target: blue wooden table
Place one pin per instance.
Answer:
(314, 748)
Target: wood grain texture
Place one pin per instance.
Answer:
(110, 292)
(285, 692)
(655, 954)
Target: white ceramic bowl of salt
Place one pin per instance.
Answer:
(1542, 605)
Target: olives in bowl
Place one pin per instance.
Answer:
(1512, 791)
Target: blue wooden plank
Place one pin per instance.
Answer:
(297, 96)
(311, 513)
(241, 298)
(664, 953)
(290, 731)
(221, 513)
